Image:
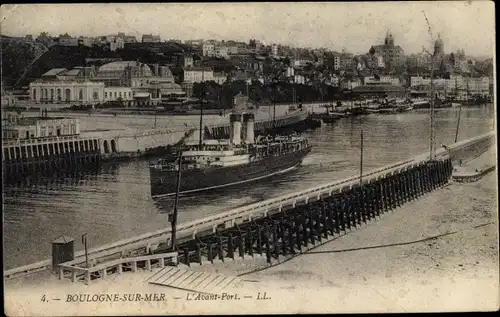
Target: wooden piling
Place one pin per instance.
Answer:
(230, 248)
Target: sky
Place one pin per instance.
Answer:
(335, 26)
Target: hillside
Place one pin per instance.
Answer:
(18, 55)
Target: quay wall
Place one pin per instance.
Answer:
(130, 142)
(462, 150)
(30, 155)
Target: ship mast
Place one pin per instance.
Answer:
(431, 115)
(173, 219)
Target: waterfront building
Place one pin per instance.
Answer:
(194, 43)
(85, 41)
(345, 60)
(16, 127)
(350, 84)
(187, 61)
(118, 94)
(220, 78)
(221, 51)
(274, 50)
(379, 91)
(67, 40)
(197, 74)
(61, 85)
(116, 43)
(368, 80)
(124, 73)
(299, 79)
(208, 49)
(393, 55)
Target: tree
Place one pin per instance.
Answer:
(452, 58)
(286, 61)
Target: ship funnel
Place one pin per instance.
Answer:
(235, 128)
(248, 119)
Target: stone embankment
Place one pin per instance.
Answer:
(476, 169)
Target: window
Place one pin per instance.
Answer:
(106, 94)
(130, 94)
(120, 93)
(115, 95)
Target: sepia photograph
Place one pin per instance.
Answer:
(249, 158)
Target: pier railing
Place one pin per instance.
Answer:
(119, 264)
(35, 141)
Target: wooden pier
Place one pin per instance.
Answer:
(288, 224)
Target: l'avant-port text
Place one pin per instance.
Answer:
(137, 297)
(223, 296)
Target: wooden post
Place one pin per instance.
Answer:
(61, 272)
(275, 240)
(284, 240)
(186, 257)
(296, 228)
(361, 160)
(311, 226)
(318, 224)
(73, 276)
(249, 243)
(290, 236)
(241, 245)
(198, 253)
(220, 250)
(259, 239)
(104, 273)
(120, 268)
(134, 266)
(336, 211)
(148, 264)
(210, 253)
(304, 228)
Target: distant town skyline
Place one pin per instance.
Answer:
(354, 27)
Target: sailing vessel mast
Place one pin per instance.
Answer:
(431, 114)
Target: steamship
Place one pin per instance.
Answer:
(240, 159)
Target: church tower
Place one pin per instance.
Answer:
(439, 46)
(389, 40)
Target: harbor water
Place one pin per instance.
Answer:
(114, 202)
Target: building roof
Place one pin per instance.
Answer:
(199, 69)
(54, 72)
(378, 88)
(63, 239)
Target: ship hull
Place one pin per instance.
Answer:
(163, 183)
